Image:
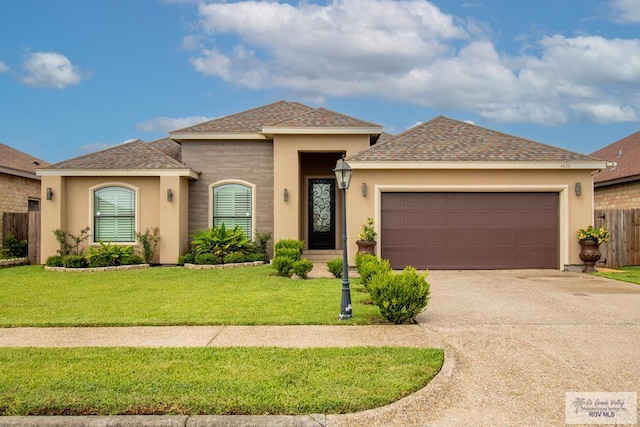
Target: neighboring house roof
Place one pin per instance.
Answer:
(626, 155)
(169, 147)
(250, 120)
(447, 140)
(133, 156)
(15, 162)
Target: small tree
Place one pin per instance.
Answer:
(70, 244)
(149, 241)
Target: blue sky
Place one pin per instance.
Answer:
(77, 76)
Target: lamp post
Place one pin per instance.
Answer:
(343, 175)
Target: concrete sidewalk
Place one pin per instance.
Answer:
(515, 343)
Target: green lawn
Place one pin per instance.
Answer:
(31, 296)
(258, 381)
(625, 274)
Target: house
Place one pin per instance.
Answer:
(445, 194)
(618, 187)
(19, 184)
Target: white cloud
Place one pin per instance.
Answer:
(4, 67)
(410, 51)
(99, 146)
(167, 124)
(51, 69)
(626, 11)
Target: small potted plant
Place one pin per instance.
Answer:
(590, 239)
(367, 238)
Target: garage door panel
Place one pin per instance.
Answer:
(470, 230)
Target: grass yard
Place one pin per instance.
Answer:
(255, 381)
(625, 274)
(31, 296)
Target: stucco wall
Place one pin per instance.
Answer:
(575, 211)
(249, 161)
(70, 210)
(618, 196)
(290, 220)
(16, 192)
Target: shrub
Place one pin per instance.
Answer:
(220, 241)
(54, 261)
(400, 296)
(234, 258)
(291, 253)
(74, 261)
(149, 242)
(362, 258)
(70, 244)
(335, 267)
(107, 255)
(283, 265)
(15, 248)
(260, 245)
(302, 267)
(207, 259)
(257, 257)
(372, 267)
(186, 259)
(132, 259)
(297, 245)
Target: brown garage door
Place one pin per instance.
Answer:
(470, 230)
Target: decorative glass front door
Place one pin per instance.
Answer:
(322, 214)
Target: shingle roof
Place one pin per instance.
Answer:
(15, 160)
(250, 120)
(626, 154)
(322, 118)
(169, 147)
(447, 140)
(134, 155)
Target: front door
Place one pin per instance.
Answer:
(322, 214)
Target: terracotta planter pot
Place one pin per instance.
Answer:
(589, 254)
(366, 246)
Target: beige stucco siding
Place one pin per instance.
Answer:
(289, 222)
(575, 211)
(71, 210)
(234, 160)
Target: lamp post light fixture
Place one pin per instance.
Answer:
(343, 175)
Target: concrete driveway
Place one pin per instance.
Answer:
(516, 342)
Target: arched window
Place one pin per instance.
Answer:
(232, 205)
(114, 214)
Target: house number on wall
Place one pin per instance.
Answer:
(565, 165)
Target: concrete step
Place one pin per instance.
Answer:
(321, 256)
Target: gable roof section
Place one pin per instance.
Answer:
(133, 158)
(444, 142)
(625, 153)
(281, 117)
(169, 147)
(246, 122)
(15, 162)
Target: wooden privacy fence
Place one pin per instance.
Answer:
(624, 246)
(24, 226)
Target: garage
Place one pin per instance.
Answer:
(470, 230)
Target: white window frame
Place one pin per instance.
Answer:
(136, 196)
(247, 184)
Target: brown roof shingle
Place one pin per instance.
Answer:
(250, 120)
(625, 153)
(133, 155)
(323, 118)
(169, 147)
(15, 160)
(447, 140)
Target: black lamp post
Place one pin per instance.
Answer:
(343, 175)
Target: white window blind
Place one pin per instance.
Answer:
(232, 207)
(114, 214)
